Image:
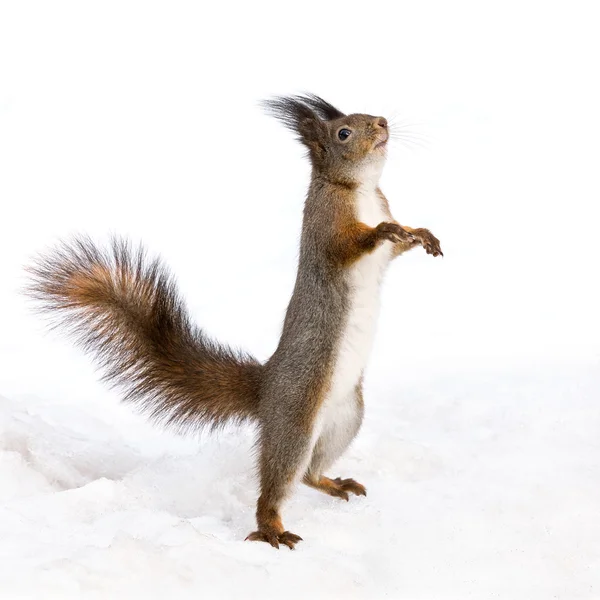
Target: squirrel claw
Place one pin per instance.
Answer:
(349, 485)
(340, 493)
(429, 242)
(289, 539)
(263, 536)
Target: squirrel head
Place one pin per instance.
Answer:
(345, 148)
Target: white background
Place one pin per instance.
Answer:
(142, 119)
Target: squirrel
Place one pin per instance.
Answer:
(307, 398)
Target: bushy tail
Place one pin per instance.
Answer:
(125, 310)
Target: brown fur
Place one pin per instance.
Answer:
(350, 239)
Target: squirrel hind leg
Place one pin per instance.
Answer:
(333, 441)
(281, 465)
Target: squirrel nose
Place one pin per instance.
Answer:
(381, 122)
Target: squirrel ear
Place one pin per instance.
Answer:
(311, 130)
(313, 135)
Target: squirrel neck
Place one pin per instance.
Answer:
(365, 177)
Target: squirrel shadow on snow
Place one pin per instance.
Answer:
(307, 398)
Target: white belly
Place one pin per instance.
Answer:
(340, 409)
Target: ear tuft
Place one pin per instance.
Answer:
(326, 111)
(292, 110)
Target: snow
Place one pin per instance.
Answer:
(479, 448)
(478, 487)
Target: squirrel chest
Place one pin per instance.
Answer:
(340, 408)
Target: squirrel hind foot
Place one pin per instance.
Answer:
(287, 538)
(337, 487)
(349, 485)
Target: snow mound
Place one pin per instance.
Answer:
(478, 487)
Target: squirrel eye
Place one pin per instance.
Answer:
(344, 134)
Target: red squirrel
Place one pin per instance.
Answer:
(307, 399)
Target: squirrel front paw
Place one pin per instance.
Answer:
(394, 233)
(428, 241)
